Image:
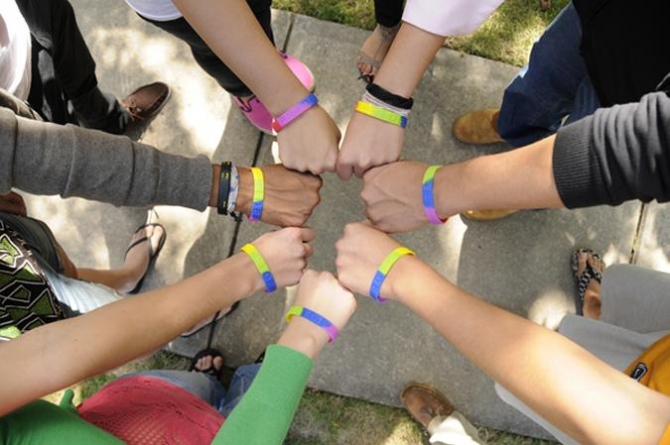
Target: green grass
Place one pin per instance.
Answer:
(358, 13)
(325, 418)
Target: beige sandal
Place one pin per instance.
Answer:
(385, 36)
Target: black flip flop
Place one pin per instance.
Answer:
(153, 254)
(584, 279)
(209, 352)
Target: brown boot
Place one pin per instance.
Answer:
(487, 215)
(477, 127)
(425, 403)
(143, 105)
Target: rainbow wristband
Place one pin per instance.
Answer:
(383, 271)
(315, 318)
(262, 266)
(259, 194)
(428, 195)
(382, 114)
(294, 112)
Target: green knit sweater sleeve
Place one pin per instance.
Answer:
(43, 423)
(266, 411)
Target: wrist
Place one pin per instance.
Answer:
(246, 274)
(394, 85)
(447, 192)
(282, 102)
(304, 336)
(214, 193)
(401, 279)
(246, 191)
(298, 109)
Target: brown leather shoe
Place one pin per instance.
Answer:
(143, 105)
(487, 215)
(477, 127)
(425, 403)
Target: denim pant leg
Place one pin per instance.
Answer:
(552, 85)
(64, 70)
(205, 386)
(206, 58)
(239, 385)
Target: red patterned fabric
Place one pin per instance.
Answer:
(143, 410)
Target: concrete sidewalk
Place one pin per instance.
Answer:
(521, 263)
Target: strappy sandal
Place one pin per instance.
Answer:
(153, 253)
(211, 370)
(375, 60)
(583, 280)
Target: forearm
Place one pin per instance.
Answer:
(230, 29)
(265, 413)
(412, 51)
(572, 389)
(618, 154)
(62, 353)
(519, 179)
(49, 159)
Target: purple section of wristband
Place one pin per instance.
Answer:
(318, 320)
(427, 192)
(292, 113)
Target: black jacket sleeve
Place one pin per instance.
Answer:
(616, 155)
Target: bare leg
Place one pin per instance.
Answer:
(592, 300)
(374, 50)
(126, 277)
(388, 14)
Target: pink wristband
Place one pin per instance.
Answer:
(292, 113)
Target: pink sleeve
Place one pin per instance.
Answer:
(449, 17)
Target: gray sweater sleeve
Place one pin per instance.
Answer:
(49, 159)
(616, 155)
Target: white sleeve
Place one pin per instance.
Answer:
(448, 17)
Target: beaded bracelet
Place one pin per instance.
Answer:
(384, 269)
(294, 112)
(381, 113)
(262, 266)
(259, 194)
(427, 192)
(315, 318)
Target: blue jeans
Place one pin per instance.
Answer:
(208, 387)
(552, 86)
